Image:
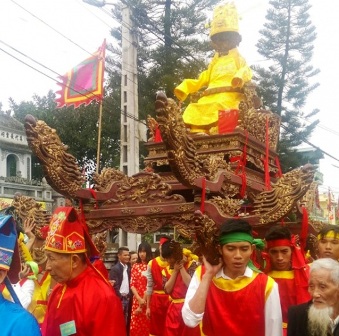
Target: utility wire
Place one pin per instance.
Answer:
(35, 61)
(309, 143)
(64, 36)
(131, 116)
(128, 27)
(153, 25)
(86, 7)
(55, 80)
(61, 34)
(30, 58)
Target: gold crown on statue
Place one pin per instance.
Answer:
(225, 19)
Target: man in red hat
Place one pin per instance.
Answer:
(157, 300)
(83, 302)
(286, 264)
(14, 320)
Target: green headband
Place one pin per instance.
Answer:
(235, 237)
(35, 269)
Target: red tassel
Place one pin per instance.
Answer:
(81, 205)
(94, 194)
(240, 171)
(243, 184)
(277, 162)
(157, 135)
(203, 195)
(304, 229)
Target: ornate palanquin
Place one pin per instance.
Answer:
(190, 182)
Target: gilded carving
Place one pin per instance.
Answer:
(154, 210)
(104, 181)
(179, 171)
(127, 211)
(27, 208)
(272, 205)
(60, 168)
(228, 206)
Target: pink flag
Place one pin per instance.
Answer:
(84, 83)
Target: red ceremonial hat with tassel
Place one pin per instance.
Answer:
(163, 240)
(68, 234)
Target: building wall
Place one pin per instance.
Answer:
(13, 144)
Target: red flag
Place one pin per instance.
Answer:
(84, 83)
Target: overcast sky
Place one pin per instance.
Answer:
(61, 33)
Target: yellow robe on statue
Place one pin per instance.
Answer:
(220, 73)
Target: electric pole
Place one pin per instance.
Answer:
(129, 131)
(129, 127)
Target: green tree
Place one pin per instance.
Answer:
(287, 44)
(170, 48)
(172, 44)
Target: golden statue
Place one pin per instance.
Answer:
(226, 75)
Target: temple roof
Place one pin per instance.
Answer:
(9, 123)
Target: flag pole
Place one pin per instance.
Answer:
(91, 71)
(99, 137)
(103, 52)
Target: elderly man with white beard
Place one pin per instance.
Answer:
(320, 316)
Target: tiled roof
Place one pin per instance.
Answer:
(8, 122)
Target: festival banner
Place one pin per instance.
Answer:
(84, 83)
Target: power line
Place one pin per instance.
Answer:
(131, 116)
(188, 53)
(309, 143)
(55, 30)
(26, 63)
(80, 2)
(40, 64)
(30, 66)
(146, 28)
(58, 32)
(30, 58)
(64, 36)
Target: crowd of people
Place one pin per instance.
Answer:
(175, 293)
(70, 292)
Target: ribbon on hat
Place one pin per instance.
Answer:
(163, 240)
(298, 265)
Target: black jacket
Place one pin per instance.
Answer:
(116, 274)
(298, 321)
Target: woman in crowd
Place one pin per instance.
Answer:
(139, 320)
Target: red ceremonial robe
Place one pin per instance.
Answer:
(230, 302)
(289, 295)
(174, 324)
(86, 303)
(159, 301)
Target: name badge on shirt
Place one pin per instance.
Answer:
(68, 328)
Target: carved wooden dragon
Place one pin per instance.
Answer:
(147, 201)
